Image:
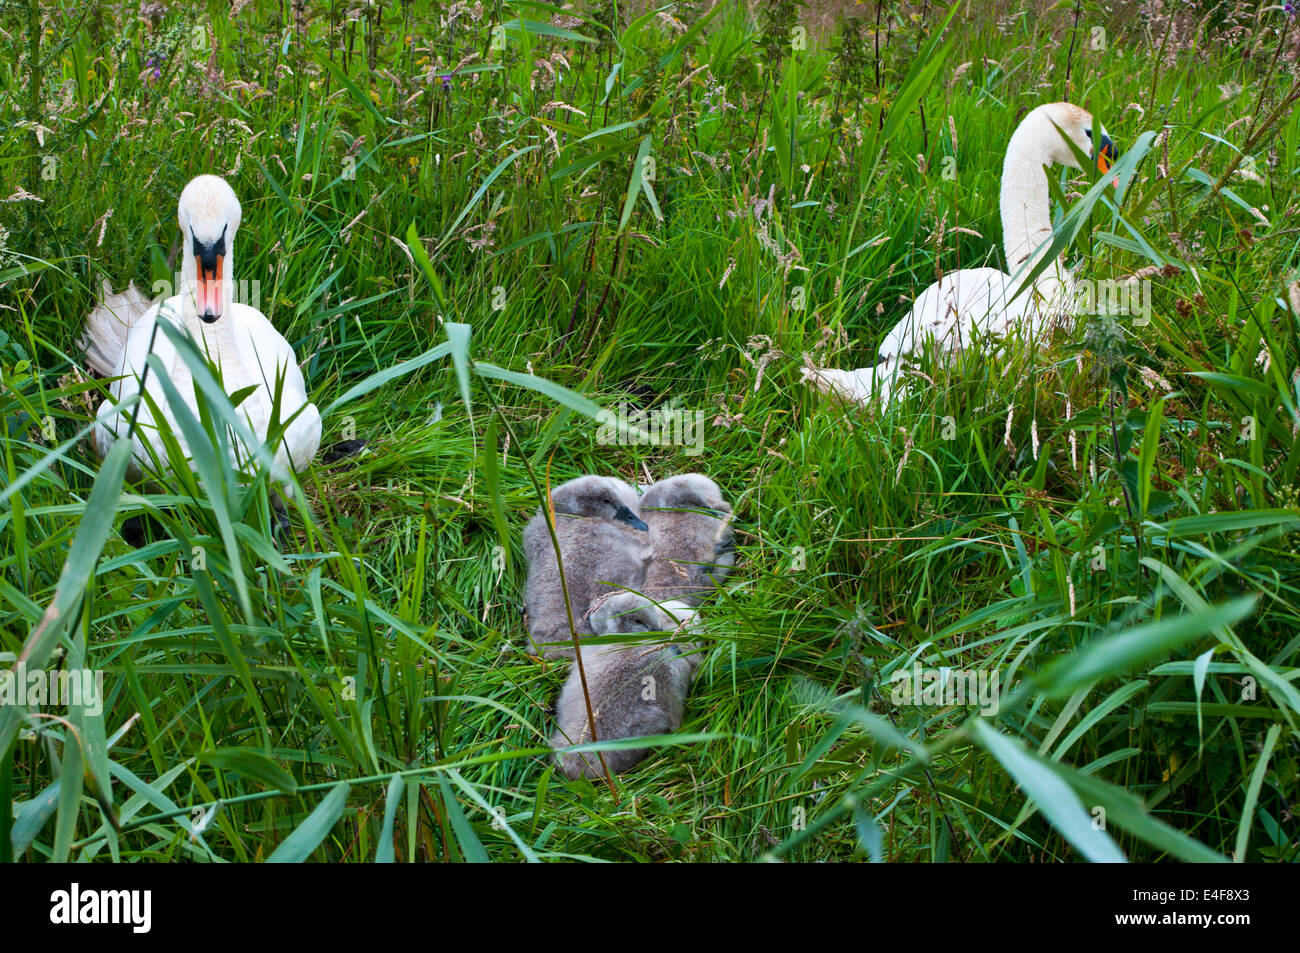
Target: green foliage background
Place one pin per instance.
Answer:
(653, 205)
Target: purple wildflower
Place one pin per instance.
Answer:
(446, 83)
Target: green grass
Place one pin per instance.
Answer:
(359, 692)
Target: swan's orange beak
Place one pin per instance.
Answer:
(210, 298)
(209, 257)
(1106, 155)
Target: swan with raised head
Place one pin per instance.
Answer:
(249, 352)
(983, 301)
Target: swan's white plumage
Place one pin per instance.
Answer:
(976, 302)
(241, 343)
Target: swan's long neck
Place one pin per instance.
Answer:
(217, 339)
(1026, 207)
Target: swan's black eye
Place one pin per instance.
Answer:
(1088, 133)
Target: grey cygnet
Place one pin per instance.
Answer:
(692, 536)
(637, 689)
(604, 547)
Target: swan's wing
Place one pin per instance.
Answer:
(857, 387)
(944, 316)
(137, 350)
(264, 352)
(862, 386)
(267, 356)
(108, 328)
(135, 355)
(948, 310)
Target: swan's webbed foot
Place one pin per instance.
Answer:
(133, 531)
(139, 531)
(281, 528)
(342, 450)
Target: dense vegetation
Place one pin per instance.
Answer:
(661, 206)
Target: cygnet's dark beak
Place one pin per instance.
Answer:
(625, 515)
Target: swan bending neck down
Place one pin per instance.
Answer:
(984, 301)
(237, 339)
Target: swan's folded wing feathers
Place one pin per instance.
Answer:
(862, 386)
(269, 357)
(262, 346)
(108, 327)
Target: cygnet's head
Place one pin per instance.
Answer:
(689, 491)
(597, 497)
(628, 612)
(1077, 124)
(208, 214)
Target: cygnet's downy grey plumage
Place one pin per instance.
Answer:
(692, 536)
(637, 689)
(604, 546)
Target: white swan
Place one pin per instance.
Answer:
(984, 300)
(238, 339)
